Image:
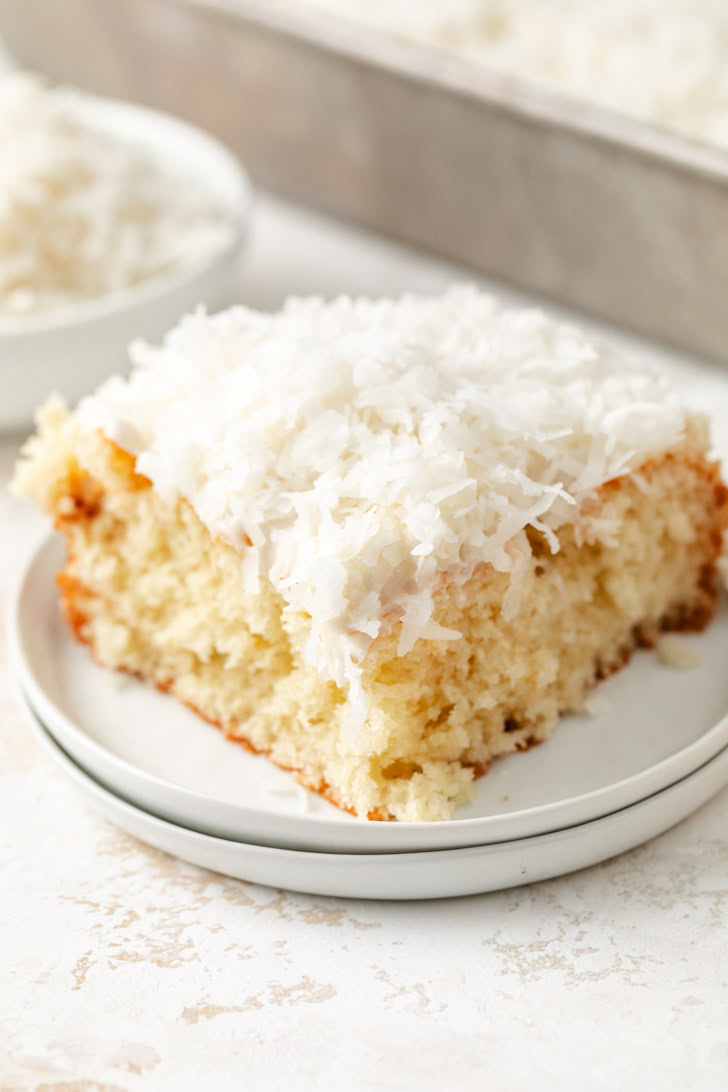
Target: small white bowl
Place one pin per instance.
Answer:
(72, 349)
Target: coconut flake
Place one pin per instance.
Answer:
(596, 704)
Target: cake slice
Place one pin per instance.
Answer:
(383, 542)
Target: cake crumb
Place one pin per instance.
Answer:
(307, 800)
(281, 788)
(120, 681)
(674, 652)
(595, 705)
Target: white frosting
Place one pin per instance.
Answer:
(358, 451)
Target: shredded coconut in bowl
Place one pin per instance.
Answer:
(675, 652)
(83, 213)
(359, 452)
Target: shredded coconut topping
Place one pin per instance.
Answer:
(83, 213)
(360, 452)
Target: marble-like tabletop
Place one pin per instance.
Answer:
(122, 968)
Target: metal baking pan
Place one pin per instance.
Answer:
(553, 195)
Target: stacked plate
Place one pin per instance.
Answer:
(653, 749)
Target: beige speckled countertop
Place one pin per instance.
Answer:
(121, 968)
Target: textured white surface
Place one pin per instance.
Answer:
(123, 969)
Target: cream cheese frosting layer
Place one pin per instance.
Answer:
(358, 452)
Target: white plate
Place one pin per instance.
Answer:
(424, 875)
(660, 725)
(71, 349)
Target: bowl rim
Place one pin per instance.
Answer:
(88, 311)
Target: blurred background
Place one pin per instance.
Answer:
(575, 149)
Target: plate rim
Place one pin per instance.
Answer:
(358, 859)
(460, 832)
(427, 874)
